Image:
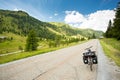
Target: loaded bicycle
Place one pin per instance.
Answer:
(90, 57)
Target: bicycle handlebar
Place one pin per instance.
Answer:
(88, 48)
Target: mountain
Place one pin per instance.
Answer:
(75, 31)
(20, 22)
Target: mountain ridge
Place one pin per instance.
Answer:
(20, 22)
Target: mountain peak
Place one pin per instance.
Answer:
(9, 12)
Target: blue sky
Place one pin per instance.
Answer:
(56, 10)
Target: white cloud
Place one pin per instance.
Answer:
(50, 17)
(97, 20)
(16, 9)
(74, 17)
(55, 14)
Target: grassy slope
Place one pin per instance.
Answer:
(11, 46)
(112, 49)
(82, 32)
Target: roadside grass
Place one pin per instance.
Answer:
(113, 42)
(13, 57)
(111, 48)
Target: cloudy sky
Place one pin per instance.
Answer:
(93, 14)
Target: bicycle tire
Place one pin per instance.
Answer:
(91, 66)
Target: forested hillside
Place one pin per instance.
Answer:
(19, 22)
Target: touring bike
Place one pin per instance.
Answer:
(90, 57)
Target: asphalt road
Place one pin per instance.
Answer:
(63, 64)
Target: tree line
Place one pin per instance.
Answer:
(113, 30)
(32, 41)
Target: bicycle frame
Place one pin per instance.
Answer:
(90, 62)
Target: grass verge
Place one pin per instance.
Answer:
(111, 48)
(13, 45)
(13, 57)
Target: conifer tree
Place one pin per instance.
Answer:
(109, 30)
(93, 36)
(116, 24)
(31, 43)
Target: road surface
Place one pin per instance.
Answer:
(63, 64)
